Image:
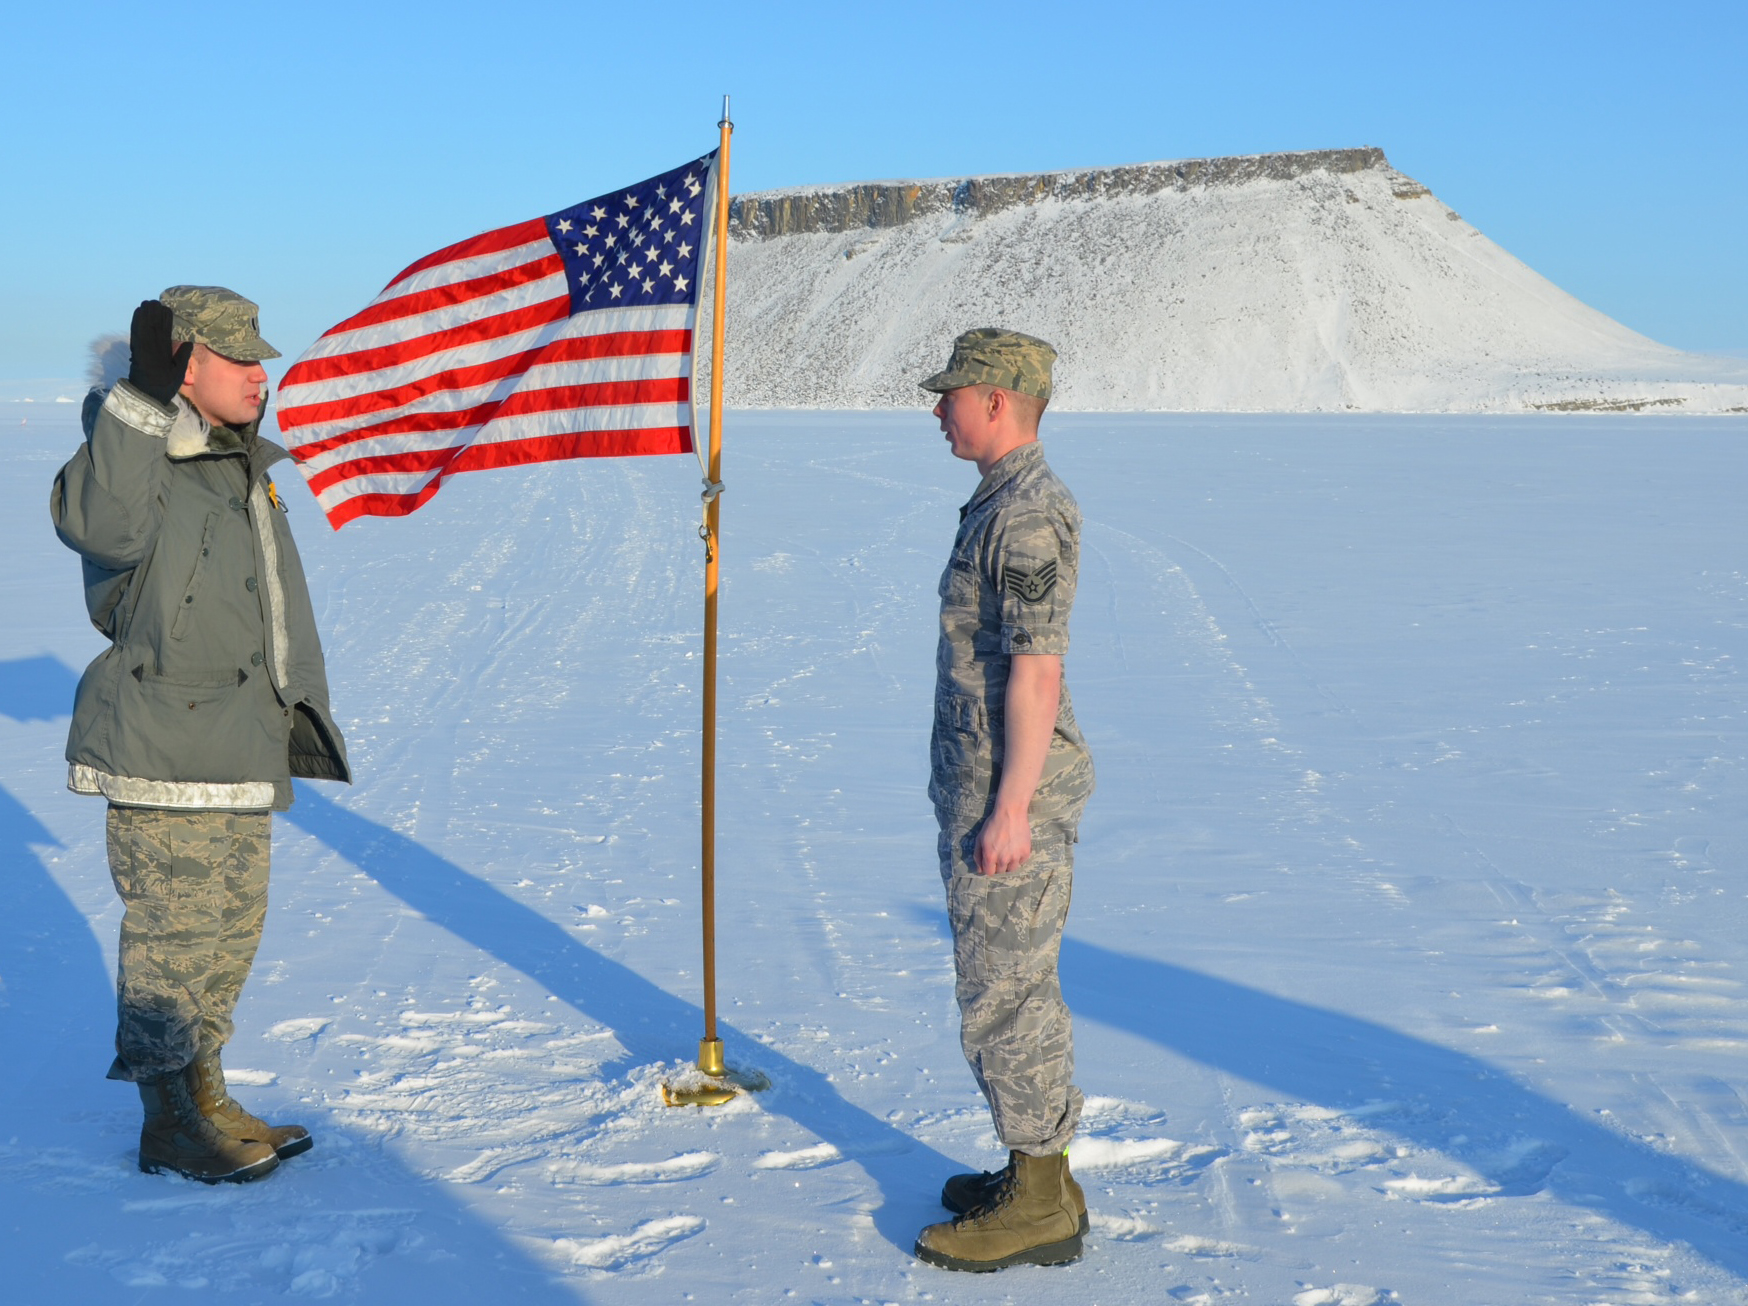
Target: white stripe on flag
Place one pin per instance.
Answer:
(445, 318)
(466, 269)
(566, 421)
(671, 317)
(590, 372)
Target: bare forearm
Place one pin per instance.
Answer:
(1034, 693)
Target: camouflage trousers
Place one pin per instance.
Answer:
(1014, 1026)
(194, 884)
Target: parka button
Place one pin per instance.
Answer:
(254, 659)
(249, 584)
(236, 503)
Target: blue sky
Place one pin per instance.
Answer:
(304, 153)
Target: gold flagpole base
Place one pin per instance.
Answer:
(710, 1060)
(712, 1083)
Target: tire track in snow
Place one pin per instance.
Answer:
(1296, 797)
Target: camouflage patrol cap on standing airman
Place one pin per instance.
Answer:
(991, 356)
(220, 319)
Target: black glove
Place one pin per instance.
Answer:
(158, 365)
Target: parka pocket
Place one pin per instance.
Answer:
(197, 573)
(199, 728)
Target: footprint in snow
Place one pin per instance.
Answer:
(619, 1250)
(1521, 1170)
(804, 1159)
(1120, 1153)
(1121, 1228)
(1529, 1165)
(62, 1168)
(253, 1255)
(1344, 1294)
(1688, 1201)
(1445, 1188)
(290, 1031)
(687, 1165)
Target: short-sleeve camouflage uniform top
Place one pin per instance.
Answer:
(1007, 590)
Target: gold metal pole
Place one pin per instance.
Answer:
(710, 1048)
(719, 1083)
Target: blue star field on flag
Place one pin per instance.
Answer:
(638, 246)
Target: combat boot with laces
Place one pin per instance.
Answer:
(966, 1192)
(178, 1138)
(206, 1081)
(1030, 1220)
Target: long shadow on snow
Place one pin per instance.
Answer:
(36, 689)
(67, 1172)
(58, 1003)
(1524, 1143)
(649, 1022)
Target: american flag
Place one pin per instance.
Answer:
(568, 336)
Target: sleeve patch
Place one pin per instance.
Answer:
(1031, 585)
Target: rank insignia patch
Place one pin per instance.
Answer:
(1032, 586)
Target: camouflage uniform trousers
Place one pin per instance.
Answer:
(1015, 1028)
(194, 884)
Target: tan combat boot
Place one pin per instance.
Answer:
(206, 1082)
(967, 1192)
(176, 1137)
(1031, 1220)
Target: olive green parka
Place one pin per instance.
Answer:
(212, 693)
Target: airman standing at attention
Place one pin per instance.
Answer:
(211, 695)
(1010, 775)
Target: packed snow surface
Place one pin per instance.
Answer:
(1324, 281)
(1407, 956)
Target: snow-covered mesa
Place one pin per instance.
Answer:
(1314, 282)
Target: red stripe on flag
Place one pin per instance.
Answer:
(573, 349)
(514, 453)
(575, 444)
(487, 242)
(599, 394)
(311, 370)
(456, 292)
(412, 460)
(381, 505)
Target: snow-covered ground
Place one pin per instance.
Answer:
(1407, 957)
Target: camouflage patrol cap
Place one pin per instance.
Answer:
(220, 319)
(991, 356)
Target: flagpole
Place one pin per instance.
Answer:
(710, 1048)
(722, 1083)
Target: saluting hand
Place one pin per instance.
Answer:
(159, 365)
